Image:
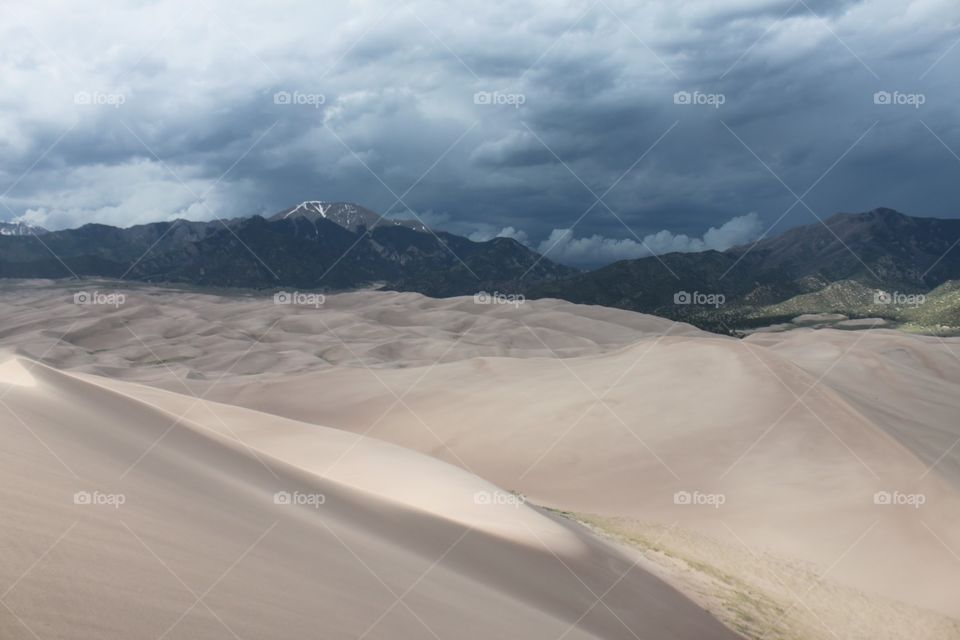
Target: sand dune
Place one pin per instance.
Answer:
(784, 445)
(706, 416)
(178, 533)
(906, 384)
(203, 334)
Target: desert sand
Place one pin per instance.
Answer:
(180, 534)
(798, 484)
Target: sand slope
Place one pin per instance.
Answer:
(710, 415)
(589, 410)
(907, 384)
(183, 538)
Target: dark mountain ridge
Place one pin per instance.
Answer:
(306, 249)
(880, 249)
(333, 246)
(346, 214)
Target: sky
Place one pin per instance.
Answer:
(593, 130)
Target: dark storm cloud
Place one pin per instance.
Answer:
(486, 119)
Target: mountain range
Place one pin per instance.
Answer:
(849, 259)
(840, 266)
(349, 215)
(313, 245)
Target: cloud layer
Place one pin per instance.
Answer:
(563, 246)
(614, 119)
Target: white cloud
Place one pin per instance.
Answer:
(562, 246)
(517, 234)
(507, 232)
(133, 193)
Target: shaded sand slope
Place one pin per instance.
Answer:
(707, 416)
(908, 384)
(182, 536)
